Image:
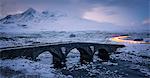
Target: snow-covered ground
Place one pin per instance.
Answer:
(18, 39)
(131, 61)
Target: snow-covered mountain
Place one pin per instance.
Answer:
(30, 15)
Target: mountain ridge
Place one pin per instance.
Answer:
(28, 15)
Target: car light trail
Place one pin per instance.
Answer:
(121, 39)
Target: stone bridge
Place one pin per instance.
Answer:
(60, 51)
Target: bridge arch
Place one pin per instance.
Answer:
(56, 58)
(39, 52)
(45, 58)
(85, 57)
(73, 58)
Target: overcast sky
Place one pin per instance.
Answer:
(118, 12)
